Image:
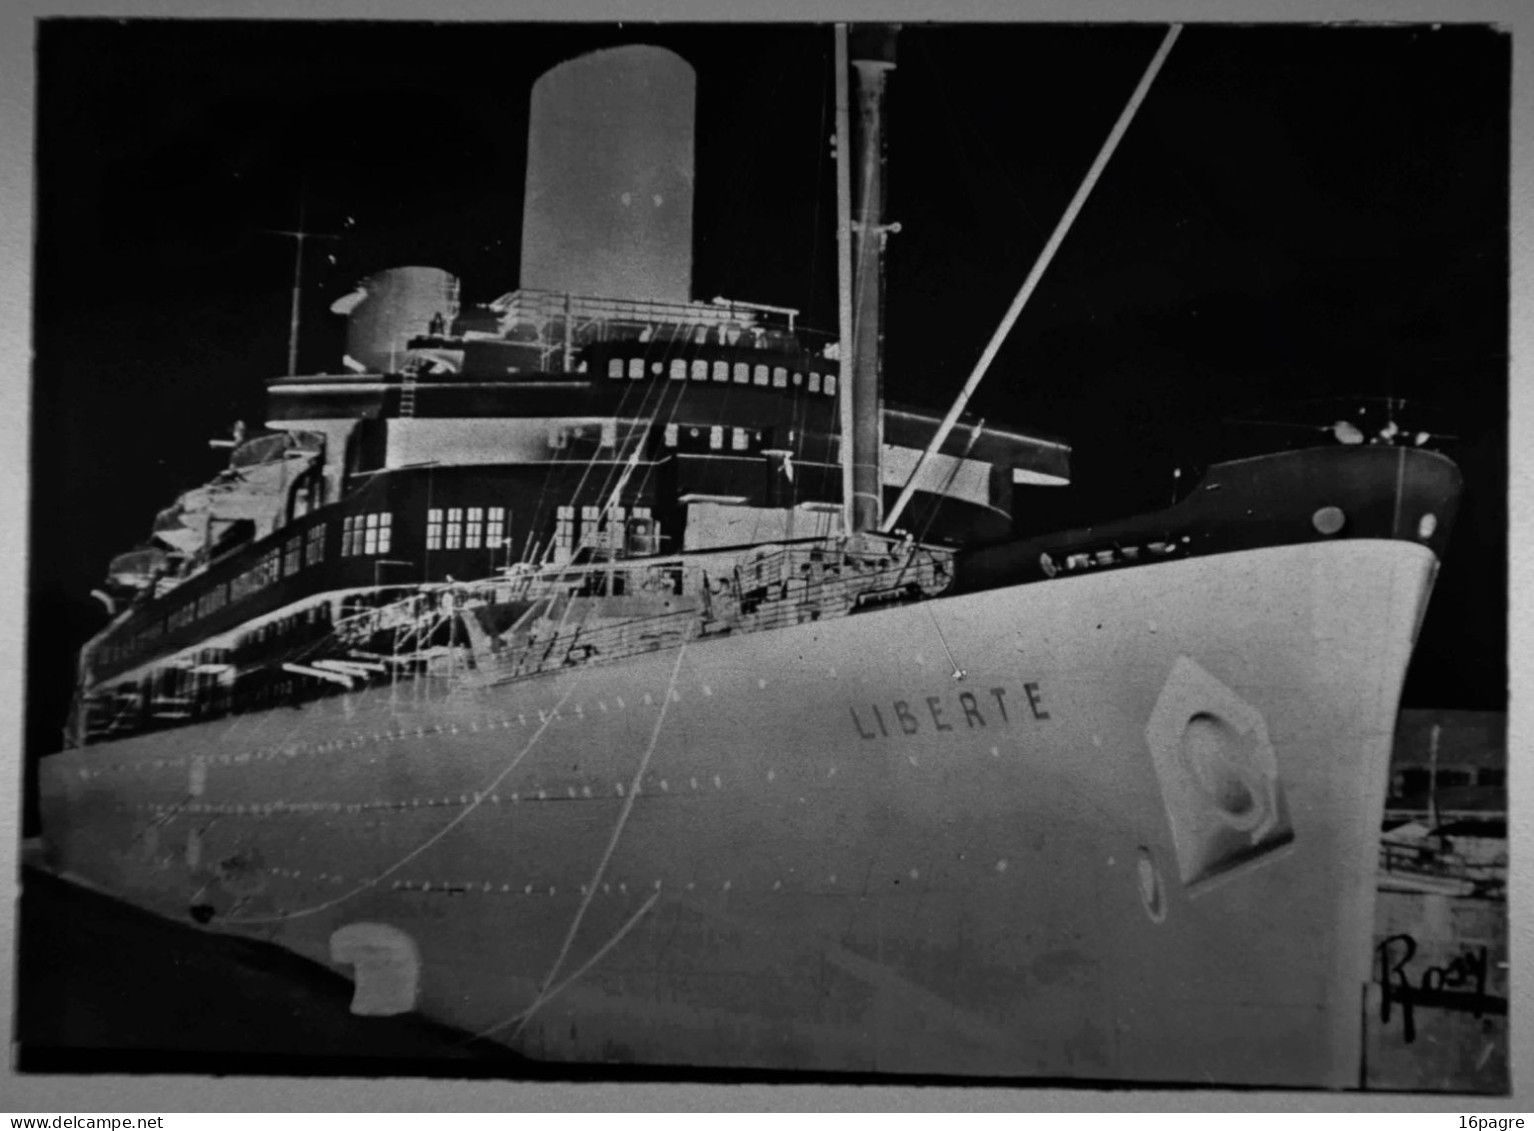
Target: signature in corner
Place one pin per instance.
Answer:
(1459, 984)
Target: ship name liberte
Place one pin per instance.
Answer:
(937, 713)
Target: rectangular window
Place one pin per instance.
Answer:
(814, 382)
(742, 373)
(615, 367)
(609, 434)
(830, 385)
(678, 369)
(590, 518)
(642, 534)
(434, 528)
(721, 371)
(293, 560)
(636, 368)
(314, 546)
(759, 375)
(716, 437)
(495, 528)
(454, 528)
(564, 534)
(779, 377)
(474, 529)
(738, 440)
(360, 534)
(671, 435)
(700, 370)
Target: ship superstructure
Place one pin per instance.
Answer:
(635, 430)
(543, 427)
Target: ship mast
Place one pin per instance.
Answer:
(844, 272)
(871, 49)
(298, 235)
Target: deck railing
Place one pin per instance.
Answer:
(556, 621)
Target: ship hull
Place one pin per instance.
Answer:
(1114, 826)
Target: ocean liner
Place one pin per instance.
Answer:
(617, 676)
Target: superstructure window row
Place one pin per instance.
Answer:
(723, 371)
(280, 561)
(465, 528)
(363, 534)
(611, 529)
(715, 437)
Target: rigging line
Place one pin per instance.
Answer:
(545, 489)
(612, 842)
(652, 385)
(958, 464)
(958, 672)
(1045, 257)
(520, 1019)
(462, 816)
(623, 470)
(671, 418)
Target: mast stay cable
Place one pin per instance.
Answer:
(1040, 265)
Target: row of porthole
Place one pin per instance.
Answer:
(474, 726)
(740, 373)
(487, 887)
(1327, 520)
(293, 750)
(462, 800)
(1112, 556)
(515, 797)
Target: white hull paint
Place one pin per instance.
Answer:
(1150, 857)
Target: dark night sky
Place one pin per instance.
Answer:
(1298, 211)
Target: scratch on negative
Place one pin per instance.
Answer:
(612, 843)
(462, 816)
(544, 997)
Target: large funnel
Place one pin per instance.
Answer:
(608, 210)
